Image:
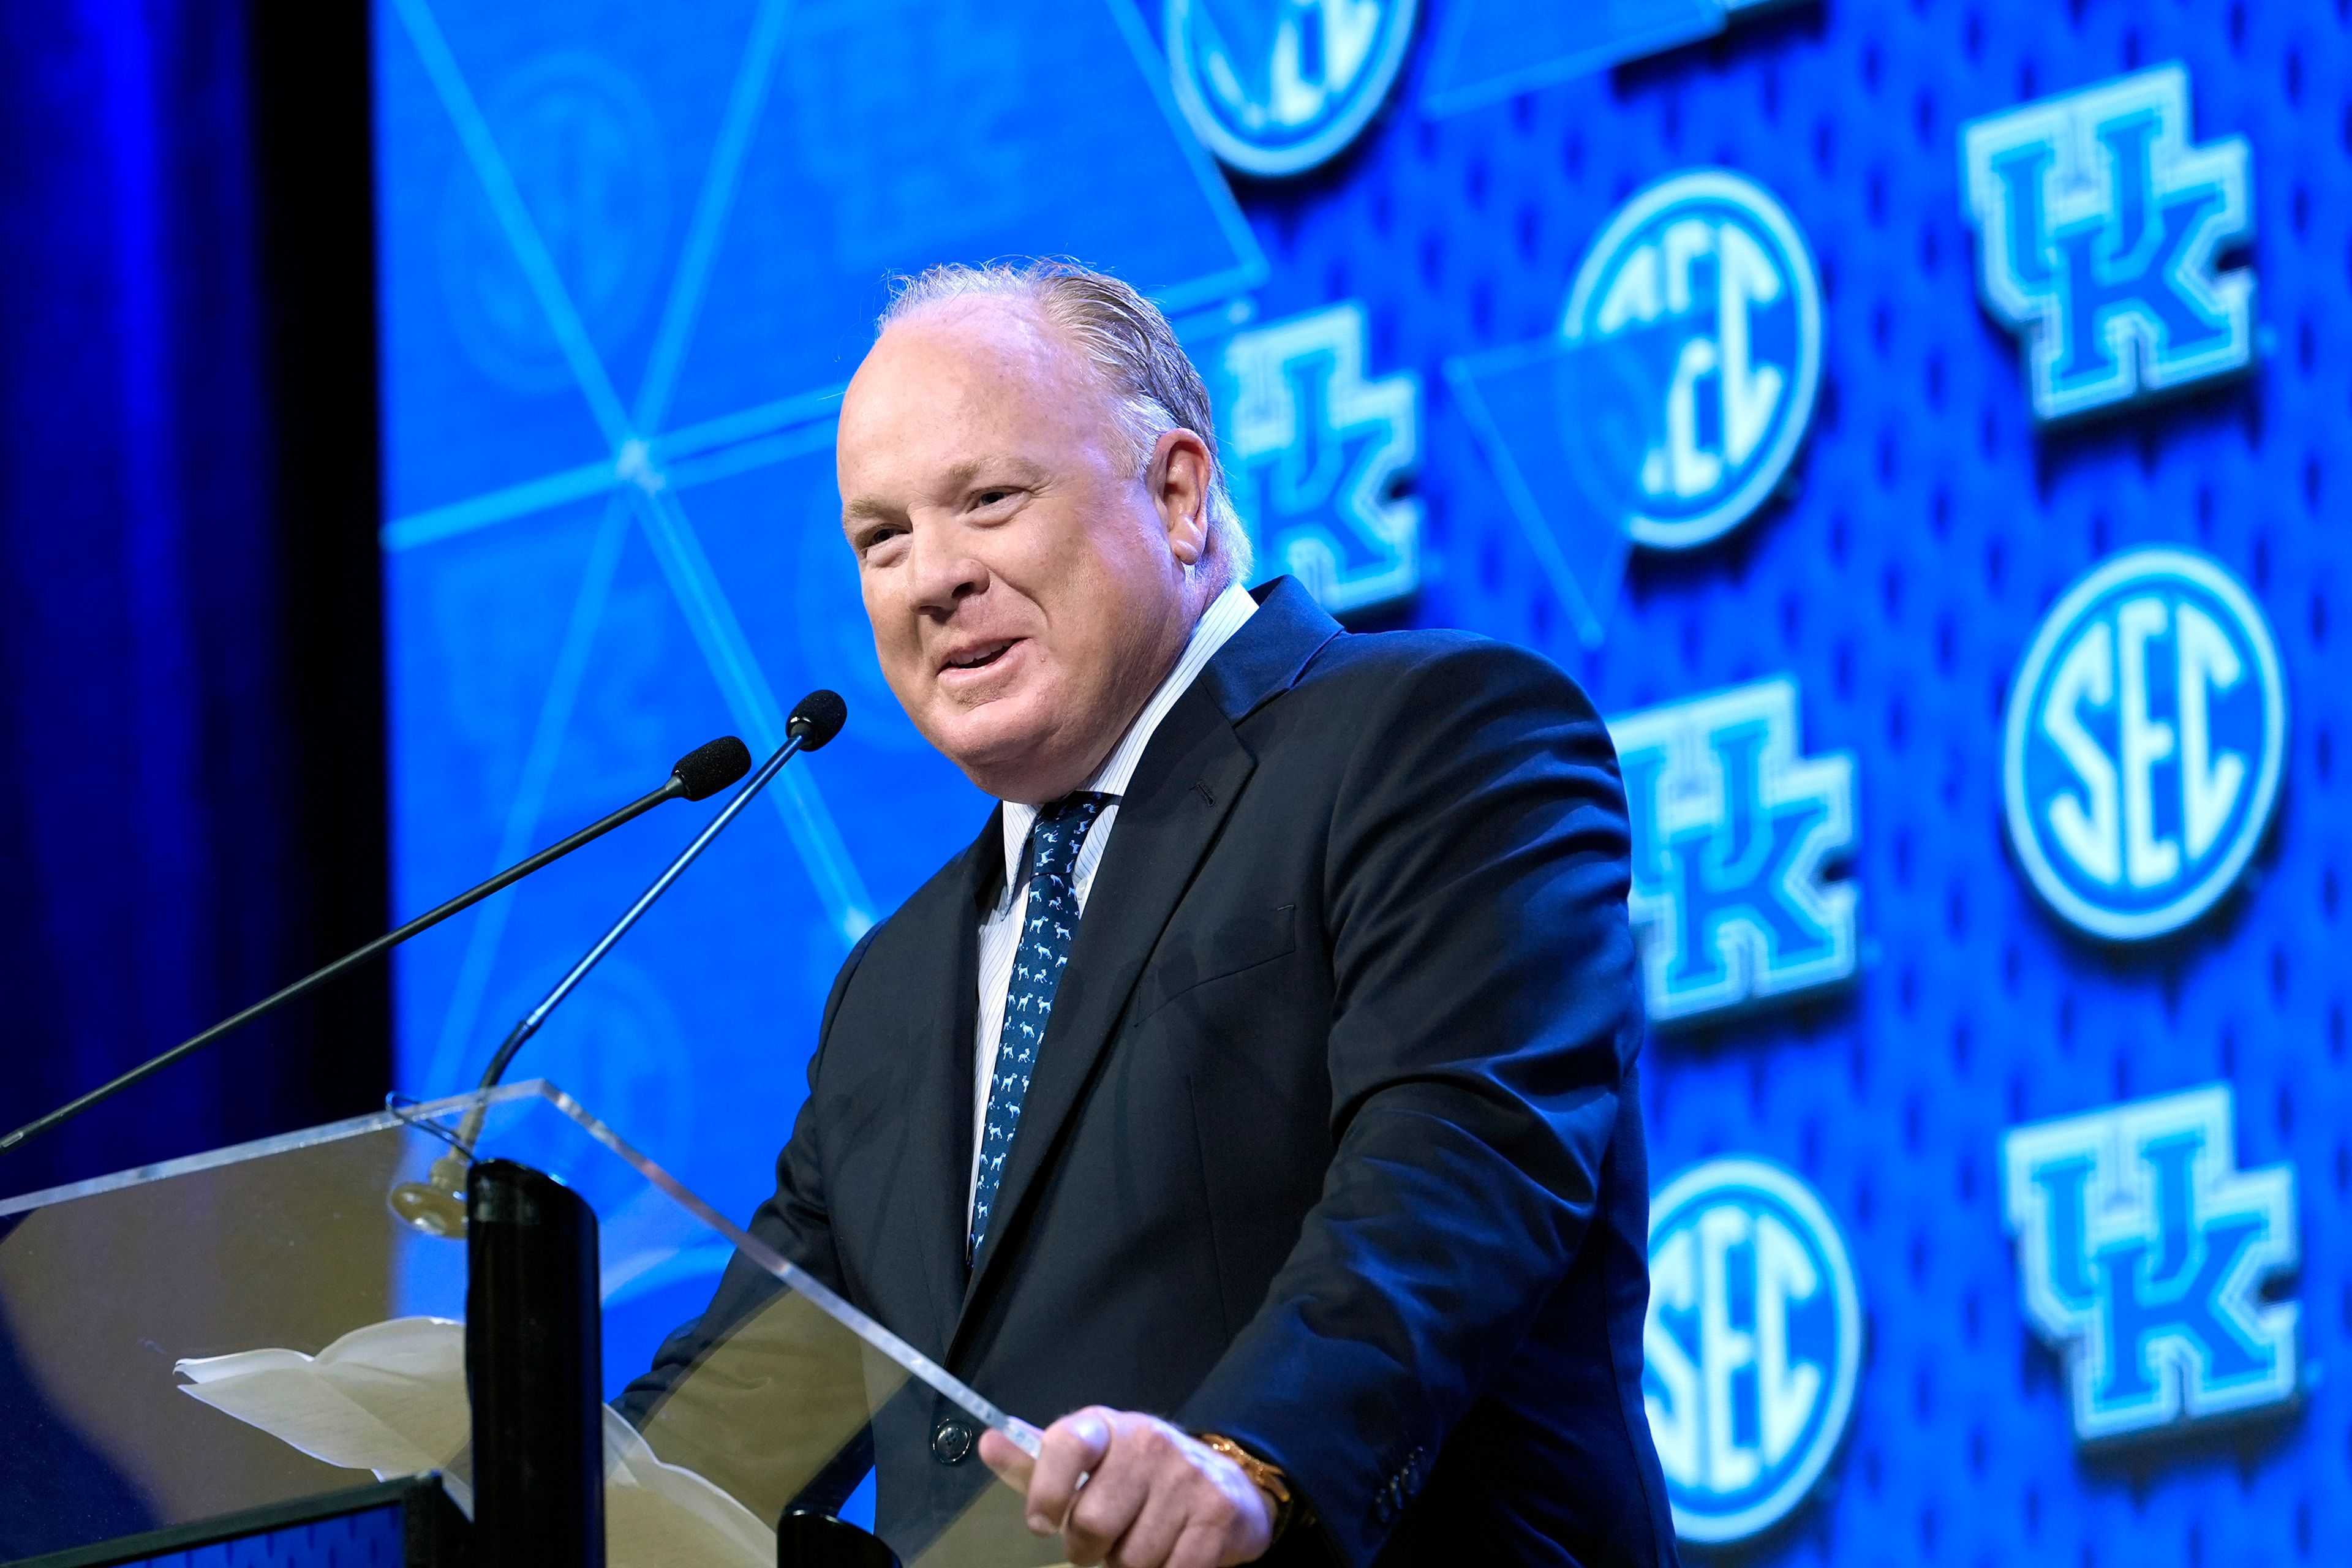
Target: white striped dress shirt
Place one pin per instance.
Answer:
(1000, 933)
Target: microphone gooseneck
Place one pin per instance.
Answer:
(700, 769)
(437, 1204)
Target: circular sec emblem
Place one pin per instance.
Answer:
(1275, 87)
(1753, 1345)
(584, 146)
(1694, 350)
(2146, 735)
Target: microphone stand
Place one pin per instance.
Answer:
(437, 1204)
(533, 1312)
(565, 986)
(688, 781)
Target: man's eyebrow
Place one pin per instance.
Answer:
(964, 477)
(1019, 469)
(957, 481)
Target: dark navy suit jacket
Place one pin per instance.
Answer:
(1332, 1144)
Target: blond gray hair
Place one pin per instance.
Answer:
(1152, 385)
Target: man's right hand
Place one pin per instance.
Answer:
(1132, 1491)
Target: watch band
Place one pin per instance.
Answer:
(1267, 1479)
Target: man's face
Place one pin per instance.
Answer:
(1027, 590)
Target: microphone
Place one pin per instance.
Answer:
(711, 767)
(436, 1205)
(817, 720)
(700, 774)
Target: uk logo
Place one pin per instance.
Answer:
(1752, 1347)
(1675, 395)
(2098, 229)
(1277, 87)
(2144, 1253)
(1733, 832)
(1314, 451)
(2146, 735)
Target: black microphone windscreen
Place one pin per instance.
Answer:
(818, 718)
(712, 766)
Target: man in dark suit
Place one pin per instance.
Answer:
(1256, 1093)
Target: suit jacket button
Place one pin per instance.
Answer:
(951, 1440)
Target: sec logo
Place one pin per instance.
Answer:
(2145, 734)
(1753, 1345)
(1694, 337)
(1275, 87)
(585, 150)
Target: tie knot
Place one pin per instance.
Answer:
(1061, 829)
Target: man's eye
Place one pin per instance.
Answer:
(993, 498)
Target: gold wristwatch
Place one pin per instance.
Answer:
(1267, 1479)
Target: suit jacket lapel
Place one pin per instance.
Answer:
(1267, 656)
(946, 1013)
(1190, 774)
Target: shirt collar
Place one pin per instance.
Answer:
(1218, 622)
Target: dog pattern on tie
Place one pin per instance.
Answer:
(1052, 919)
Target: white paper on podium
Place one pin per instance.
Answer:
(391, 1398)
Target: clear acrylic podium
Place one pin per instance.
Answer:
(121, 1296)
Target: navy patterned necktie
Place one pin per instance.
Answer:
(1049, 923)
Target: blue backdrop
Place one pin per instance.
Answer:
(629, 254)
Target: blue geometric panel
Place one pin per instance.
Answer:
(1489, 49)
(1524, 402)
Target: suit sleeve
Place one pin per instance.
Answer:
(1485, 1018)
(794, 1221)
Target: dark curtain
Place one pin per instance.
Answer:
(190, 711)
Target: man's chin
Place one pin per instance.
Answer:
(1010, 754)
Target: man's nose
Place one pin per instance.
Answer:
(944, 571)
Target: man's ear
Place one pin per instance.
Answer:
(1178, 478)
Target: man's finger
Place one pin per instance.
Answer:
(1072, 1446)
(1002, 1454)
(1201, 1546)
(1153, 1533)
(1129, 1475)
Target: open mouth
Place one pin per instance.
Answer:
(983, 657)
